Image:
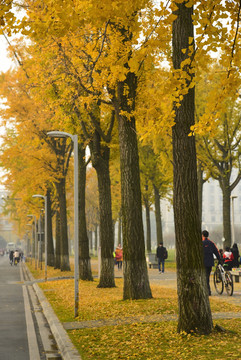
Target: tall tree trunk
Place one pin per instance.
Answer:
(106, 228)
(226, 212)
(84, 256)
(57, 240)
(159, 234)
(96, 238)
(50, 249)
(90, 237)
(119, 229)
(194, 307)
(100, 155)
(200, 190)
(148, 225)
(64, 245)
(136, 282)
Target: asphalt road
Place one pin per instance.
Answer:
(13, 329)
(24, 331)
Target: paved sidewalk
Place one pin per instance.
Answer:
(66, 347)
(168, 279)
(139, 319)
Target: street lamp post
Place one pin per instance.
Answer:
(45, 231)
(35, 240)
(74, 138)
(232, 197)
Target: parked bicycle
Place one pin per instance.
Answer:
(223, 278)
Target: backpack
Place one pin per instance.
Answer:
(166, 254)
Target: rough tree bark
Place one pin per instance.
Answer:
(84, 257)
(136, 281)
(64, 244)
(148, 224)
(63, 153)
(226, 211)
(100, 155)
(96, 238)
(200, 190)
(194, 307)
(227, 188)
(57, 240)
(50, 249)
(159, 234)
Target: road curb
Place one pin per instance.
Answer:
(65, 345)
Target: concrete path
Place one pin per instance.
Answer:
(142, 319)
(169, 280)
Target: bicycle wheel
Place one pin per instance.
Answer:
(229, 283)
(218, 282)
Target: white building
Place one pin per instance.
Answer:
(212, 214)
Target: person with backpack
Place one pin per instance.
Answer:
(209, 249)
(161, 254)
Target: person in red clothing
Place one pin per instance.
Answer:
(119, 256)
(228, 258)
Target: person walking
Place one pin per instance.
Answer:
(236, 255)
(209, 249)
(11, 257)
(161, 252)
(119, 256)
(16, 257)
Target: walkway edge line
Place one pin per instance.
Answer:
(65, 345)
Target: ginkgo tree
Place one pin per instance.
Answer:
(220, 156)
(24, 113)
(112, 78)
(124, 36)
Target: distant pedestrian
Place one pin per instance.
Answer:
(161, 254)
(11, 257)
(236, 255)
(209, 249)
(119, 256)
(16, 257)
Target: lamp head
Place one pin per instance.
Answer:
(38, 196)
(59, 134)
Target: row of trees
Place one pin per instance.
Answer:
(122, 75)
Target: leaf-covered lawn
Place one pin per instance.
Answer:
(157, 341)
(139, 340)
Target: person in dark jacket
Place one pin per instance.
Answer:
(236, 255)
(11, 257)
(209, 249)
(161, 256)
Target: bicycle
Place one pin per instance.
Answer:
(223, 278)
